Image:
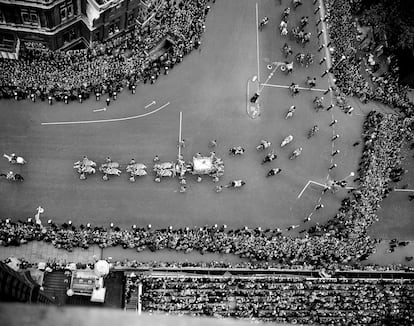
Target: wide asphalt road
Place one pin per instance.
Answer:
(209, 87)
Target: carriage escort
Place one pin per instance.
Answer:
(136, 170)
(84, 167)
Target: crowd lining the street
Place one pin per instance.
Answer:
(342, 240)
(110, 67)
(348, 62)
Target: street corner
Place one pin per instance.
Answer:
(252, 98)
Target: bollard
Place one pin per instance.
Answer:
(333, 122)
(336, 152)
(50, 100)
(324, 73)
(80, 98)
(322, 60)
(318, 22)
(329, 107)
(335, 137)
(315, 1)
(328, 90)
(317, 9)
(320, 33)
(321, 47)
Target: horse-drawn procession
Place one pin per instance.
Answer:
(212, 166)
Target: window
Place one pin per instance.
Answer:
(114, 27)
(7, 41)
(131, 19)
(63, 13)
(66, 10)
(2, 20)
(70, 10)
(29, 16)
(69, 36)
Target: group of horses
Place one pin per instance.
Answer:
(86, 167)
(15, 160)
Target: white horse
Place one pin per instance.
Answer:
(286, 141)
(13, 159)
(290, 112)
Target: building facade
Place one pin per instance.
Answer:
(67, 24)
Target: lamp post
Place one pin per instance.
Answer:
(343, 57)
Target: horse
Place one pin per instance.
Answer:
(263, 145)
(290, 112)
(295, 153)
(236, 151)
(13, 159)
(236, 184)
(273, 172)
(286, 141)
(269, 157)
(263, 22)
(12, 176)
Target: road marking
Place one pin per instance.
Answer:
(107, 120)
(99, 110)
(257, 41)
(148, 105)
(302, 88)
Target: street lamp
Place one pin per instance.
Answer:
(343, 57)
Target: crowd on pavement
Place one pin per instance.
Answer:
(107, 68)
(295, 300)
(351, 76)
(342, 240)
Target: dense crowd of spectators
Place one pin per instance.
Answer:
(280, 299)
(342, 240)
(348, 58)
(109, 67)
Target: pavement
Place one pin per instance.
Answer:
(43, 252)
(209, 87)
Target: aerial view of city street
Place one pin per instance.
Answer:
(247, 159)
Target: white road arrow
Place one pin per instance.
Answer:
(99, 110)
(148, 105)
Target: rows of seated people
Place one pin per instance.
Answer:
(282, 299)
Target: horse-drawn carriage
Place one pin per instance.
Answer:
(84, 167)
(207, 165)
(136, 170)
(110, 168)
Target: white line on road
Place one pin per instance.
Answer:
(257, 41)
(107, 120)
(99, 110)
(148, 105)
(302, 88)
